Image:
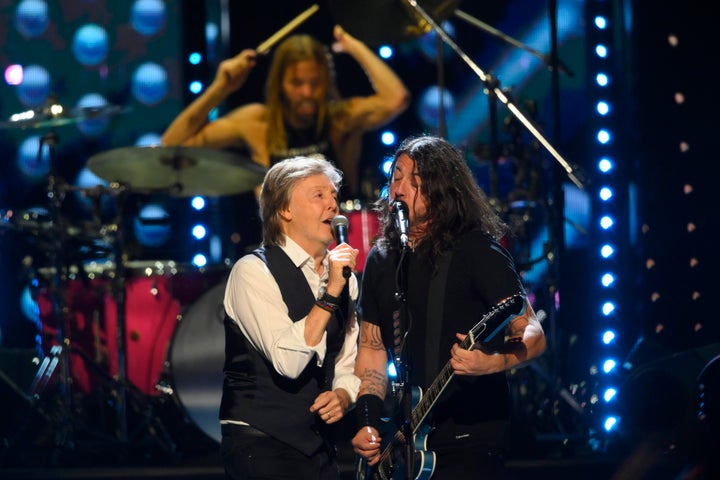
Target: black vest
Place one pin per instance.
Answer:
(255, 393)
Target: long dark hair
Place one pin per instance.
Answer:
(292, 50)
(455, 202)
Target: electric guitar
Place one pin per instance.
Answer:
(392, 464)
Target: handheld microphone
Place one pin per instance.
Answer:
(399, 211)
(339, 225)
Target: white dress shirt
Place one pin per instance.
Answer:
(253, 300)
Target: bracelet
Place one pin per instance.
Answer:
(326, 297)
(328, 303)
(369, 408)
(328, 307)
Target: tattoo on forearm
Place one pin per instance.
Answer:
(373, 381)
(370, 337)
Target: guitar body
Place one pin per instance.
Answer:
(423, 468)
(392, 465)
(424, 461)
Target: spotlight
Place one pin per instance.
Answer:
(199, 260)
(610, 423)
(608, 308)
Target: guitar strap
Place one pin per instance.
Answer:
(435, 310)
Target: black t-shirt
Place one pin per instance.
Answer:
(309, 143)
(480, 275)
(306, 142)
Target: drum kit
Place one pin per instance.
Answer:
(107, 321)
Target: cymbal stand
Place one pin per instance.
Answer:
(149, 424)
(118, 292)
(64, 435)
(499, 93)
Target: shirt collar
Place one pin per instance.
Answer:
(296, 253)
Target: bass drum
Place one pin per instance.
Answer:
(196, 357)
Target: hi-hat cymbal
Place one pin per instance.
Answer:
(178, 171)
(378, 22)
(55, 115)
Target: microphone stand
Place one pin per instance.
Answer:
(549, 60)
(500, 94)
(402, 368)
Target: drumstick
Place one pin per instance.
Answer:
(267, 44)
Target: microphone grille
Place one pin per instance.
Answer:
(399, 206)
(339, 221)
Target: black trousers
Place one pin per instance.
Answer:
(249, 454)
(469, 463)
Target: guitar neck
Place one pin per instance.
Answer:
(510, 308)
(429, 397)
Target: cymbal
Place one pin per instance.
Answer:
(378, 22)
(178, 171)
(55, 115)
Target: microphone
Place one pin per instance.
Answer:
(339, 225)
(399, 211)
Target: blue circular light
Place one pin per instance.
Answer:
(152, 226)
(93, 127)
(148, 140)
(429, 106)
(149, 83)
(86, 179)
(147, 17)
(34, 89)
(33, 168)
(90, 44)
(31, 18)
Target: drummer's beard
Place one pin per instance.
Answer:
(303, 113)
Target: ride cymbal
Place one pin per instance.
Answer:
(178, 171)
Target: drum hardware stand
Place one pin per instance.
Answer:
(61, 357)
(149, 423)
(25, 423)
(55, 368)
